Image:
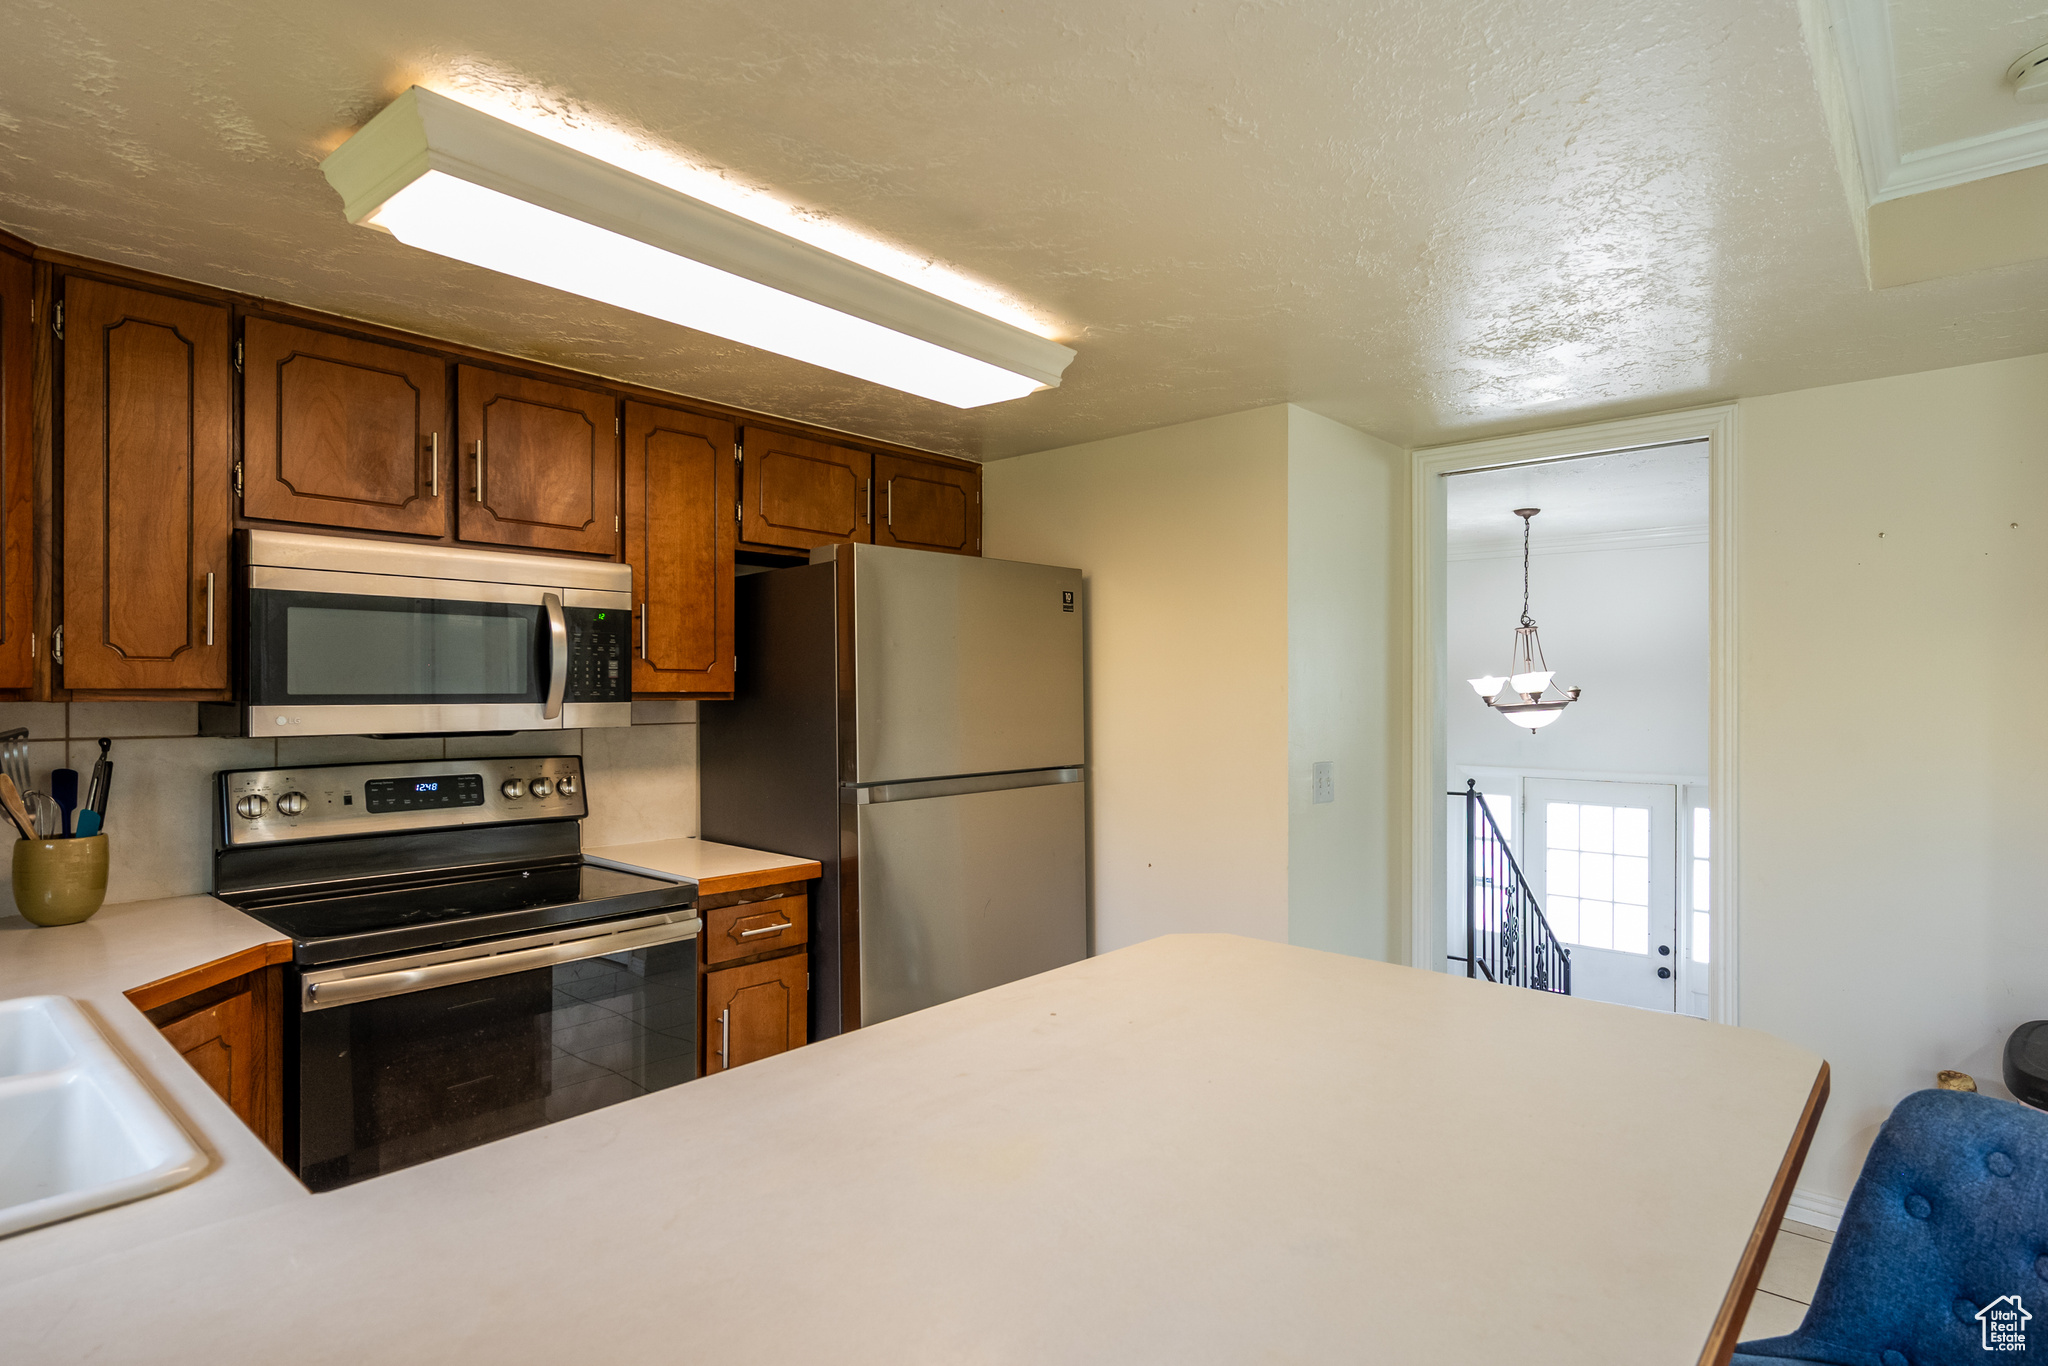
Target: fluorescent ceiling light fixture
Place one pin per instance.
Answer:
(446, 178)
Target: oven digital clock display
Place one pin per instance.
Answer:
(423, 794)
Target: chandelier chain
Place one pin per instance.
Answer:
(1525, 572)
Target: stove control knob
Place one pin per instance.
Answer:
(512, 788)
(251, 807)
(566, 784)
(291, 803)
(540, 787)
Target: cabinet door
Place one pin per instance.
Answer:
(754, 1012)
(232, 1035)
(800, 493)
(219, 1042)
(680, 531)
(340, 432)
(541, 463)
(927, 506)
(17, 475)
(146, 490)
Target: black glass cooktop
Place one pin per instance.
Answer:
(427, 913)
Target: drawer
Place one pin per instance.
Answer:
(753, 927)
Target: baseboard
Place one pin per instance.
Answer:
(1811, 1207)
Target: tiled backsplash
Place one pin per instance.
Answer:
(641, 780)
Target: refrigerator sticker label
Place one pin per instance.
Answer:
(1066, 601)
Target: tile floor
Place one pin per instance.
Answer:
(1788, 1283)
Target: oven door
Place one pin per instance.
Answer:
(402, 1060)
(343, 653)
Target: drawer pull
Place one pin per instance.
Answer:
(767, 929)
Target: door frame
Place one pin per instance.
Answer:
(1428, 884)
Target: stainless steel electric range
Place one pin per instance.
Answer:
(458, 972)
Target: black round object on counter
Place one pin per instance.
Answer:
(2026, 1063)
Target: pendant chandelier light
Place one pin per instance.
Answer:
(1521, 696)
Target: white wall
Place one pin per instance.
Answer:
(1244, 582)
(1893, 638)
(1182, 534)
(641, 780)
(1346, 675)
(1630, 626)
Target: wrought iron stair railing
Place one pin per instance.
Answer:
(1506, 937)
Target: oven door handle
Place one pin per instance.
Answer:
(324, 991)
(558, 655)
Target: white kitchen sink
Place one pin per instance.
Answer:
(78, 1131)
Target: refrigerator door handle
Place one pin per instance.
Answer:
(865, 794)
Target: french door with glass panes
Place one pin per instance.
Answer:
(1601, 858)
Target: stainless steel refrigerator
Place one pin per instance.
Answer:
(913, 721)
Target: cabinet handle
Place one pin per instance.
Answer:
(889, 505)
(724, 1038)
(767, 929)
(479, 469)
(433, 464)
(209, 609)
(643, 630)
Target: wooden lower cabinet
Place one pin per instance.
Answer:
(756, 981)
(755, 1011)
(227, 1020)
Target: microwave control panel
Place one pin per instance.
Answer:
(600, 665)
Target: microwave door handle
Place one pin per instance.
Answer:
(558, 656)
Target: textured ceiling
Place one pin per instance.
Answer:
(1663, 489)
(1950, 58)
(1429, 220)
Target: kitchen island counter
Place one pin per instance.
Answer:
(1202, 1148)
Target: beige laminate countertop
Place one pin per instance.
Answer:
(1199, 1149)
(713, 867)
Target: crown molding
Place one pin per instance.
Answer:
(1863, 44)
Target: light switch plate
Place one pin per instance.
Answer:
(1323, 785)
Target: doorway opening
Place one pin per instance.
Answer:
(1604, 803)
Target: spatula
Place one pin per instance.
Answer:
(11, 803)
(64, 789)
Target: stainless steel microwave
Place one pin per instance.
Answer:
(355, 637)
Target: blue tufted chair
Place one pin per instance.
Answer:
(1949, 1217)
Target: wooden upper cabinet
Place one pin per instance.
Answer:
(680, 531)
(540, 463)
(927, 506)
(17, 474)
(800, 493)
(343, 433)
(147, 498)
